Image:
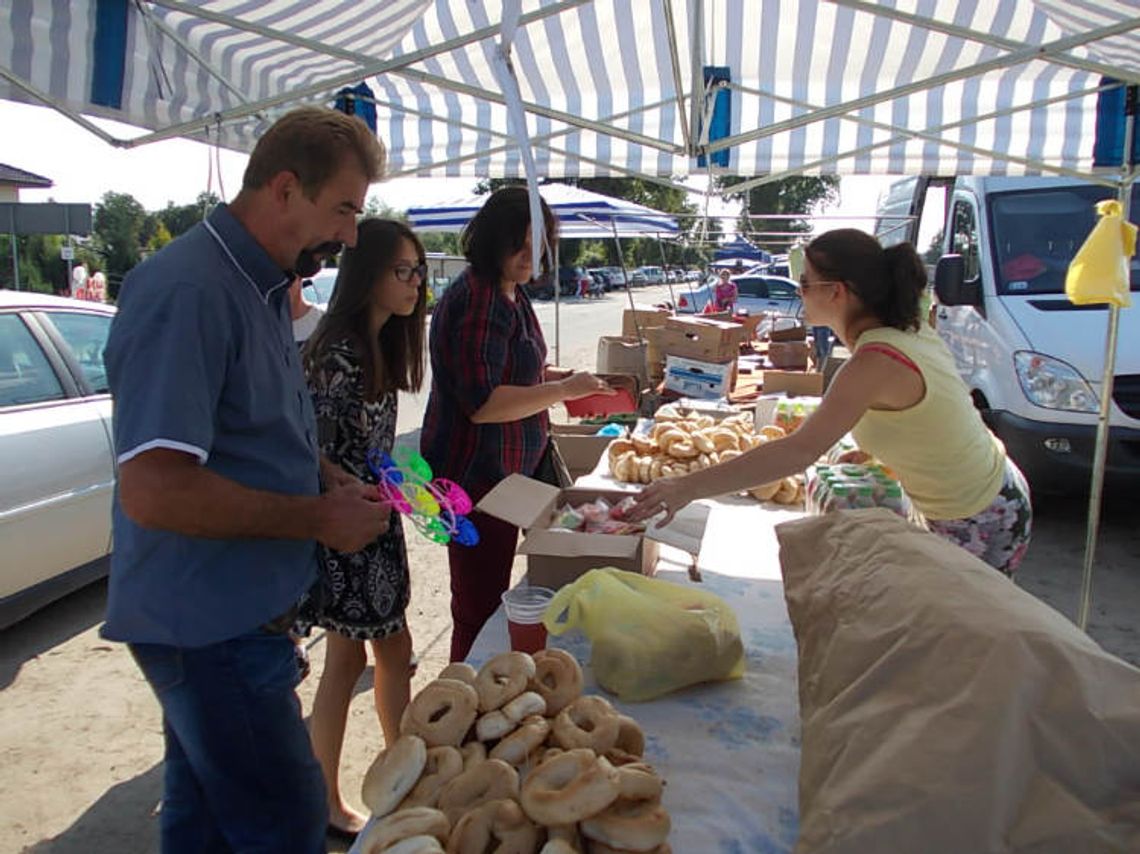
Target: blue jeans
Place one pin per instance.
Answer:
(240, 773)
(822, 346)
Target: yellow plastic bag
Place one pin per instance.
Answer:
(649, 636)
(1099, 271)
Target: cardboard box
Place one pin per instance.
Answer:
(555, 558)
(702, 339)
(793, 382)
(702, 380)
(580, 446)
(789, 355)
(795, 333)
(634, 321)
(622, 356)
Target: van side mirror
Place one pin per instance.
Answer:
(951, 286)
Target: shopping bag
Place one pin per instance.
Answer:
(1099, 271)
(649, 636)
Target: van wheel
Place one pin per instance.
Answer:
(983, 406)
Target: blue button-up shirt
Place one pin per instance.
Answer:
(201, 360)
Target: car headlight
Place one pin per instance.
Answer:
(1053, 384)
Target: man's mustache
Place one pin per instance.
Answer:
(310, 261)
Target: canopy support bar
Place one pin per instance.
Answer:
(675, 63)
(1018, 57)
(48, 100)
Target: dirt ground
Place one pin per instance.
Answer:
(80, 732)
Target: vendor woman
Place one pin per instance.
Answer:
(899, 395)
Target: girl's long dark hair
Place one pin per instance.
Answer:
(889, 282)
(401, 340)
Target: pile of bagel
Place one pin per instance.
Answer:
(679, 444)
(513, 758)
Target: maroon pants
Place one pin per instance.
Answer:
(479, 576)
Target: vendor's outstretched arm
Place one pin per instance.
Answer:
(512, 402)
(853, 391)
(169, 490)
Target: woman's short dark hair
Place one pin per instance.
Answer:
(401, 340)
(889, 282)
(499, 230)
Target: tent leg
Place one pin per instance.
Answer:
(557, 302)
(1100, 457)
(625, 275)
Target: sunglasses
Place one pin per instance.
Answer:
(805, 285)
(404, 272)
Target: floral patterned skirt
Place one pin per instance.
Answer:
(999, 535)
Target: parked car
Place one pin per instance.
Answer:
(756, 294)
(540, 288)
(602, 274)
(653, 275)
(318, 290)
(574, 281)
(617, 276)
(55, 441)
(637, 279)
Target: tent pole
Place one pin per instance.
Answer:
(665, 267)
(1100, 457)
(625, 275)
(556, 275)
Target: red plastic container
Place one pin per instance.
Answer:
(601, 404)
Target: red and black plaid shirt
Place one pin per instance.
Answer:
(479, 340)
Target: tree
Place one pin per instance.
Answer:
(178, 219)
(934, 250)
(796, 195)
(118, 229)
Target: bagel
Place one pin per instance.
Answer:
(558, 846)
(639, 782)
(557, 677)
(730, 454)
(460, 670)
(655, 469)
(766, 491)
(524, 705)
(502, 679)
(629, 825)
(618, 447)
(725, 440)
(670, 437)
(393, 774)
(667, 413)
(416, 821)
(596, 847)
(411, 845)
(589, 721)
(772, 431)
(498, 825)
(704, 443)
(473, 753)
(516, 747)
(569, 787)
(443, 765)
(630, 737)
(643, 464)
(493, 725)
(441, 713)
(620, 467)
(487, 781)
(787, 492)
(642, 444)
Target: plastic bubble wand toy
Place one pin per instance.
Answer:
(436, 506)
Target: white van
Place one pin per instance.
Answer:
(1034, 361)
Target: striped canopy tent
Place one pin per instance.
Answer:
(580, 213)
(653, 88)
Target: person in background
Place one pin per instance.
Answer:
(219, 508)
(305, 314)
(368, 347)
(486, 415)
(725, 293)
(820, 335)
(899, 395)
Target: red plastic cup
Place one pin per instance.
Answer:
(525, 607)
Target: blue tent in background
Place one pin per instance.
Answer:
(741, 250)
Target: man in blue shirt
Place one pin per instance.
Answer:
(219, 503)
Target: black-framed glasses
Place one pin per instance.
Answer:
(404, 272)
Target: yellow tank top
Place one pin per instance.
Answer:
(947, 460)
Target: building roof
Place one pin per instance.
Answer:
(12, 176)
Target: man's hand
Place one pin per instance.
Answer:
(333, 476)
(351, 516)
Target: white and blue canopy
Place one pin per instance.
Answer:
(580, 213)
(609, 87)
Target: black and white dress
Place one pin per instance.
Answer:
(361, 595)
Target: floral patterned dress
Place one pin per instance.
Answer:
(361, 595)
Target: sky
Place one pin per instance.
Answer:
(83, 168)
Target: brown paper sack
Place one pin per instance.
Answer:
(944, 709)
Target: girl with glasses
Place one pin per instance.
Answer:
(366, 348)
(901, 397)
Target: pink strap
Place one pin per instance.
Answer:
(892, 353)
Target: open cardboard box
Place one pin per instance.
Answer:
(793, 382)
(580, 446)
(555, 558)
(635, 321)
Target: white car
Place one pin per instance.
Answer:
(318, 290)
(55, 449)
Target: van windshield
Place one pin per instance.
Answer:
(1036, 233)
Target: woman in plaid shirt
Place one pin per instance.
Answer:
(491, 387)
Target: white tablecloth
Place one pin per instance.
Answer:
(728, 751)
